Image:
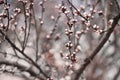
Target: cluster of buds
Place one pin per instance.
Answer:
(69, 66)
(2, 26)
(73, 21)
(100, 31)
(68, 32)
(95, 27)
(78, 48)
(7, 6)
(17, 10)
(3, 15)
(76, 12)
(79, 33)
(88, 15)
(100, 13)
(63, 9)
(87, 23)
(72, 57)
(69, 45)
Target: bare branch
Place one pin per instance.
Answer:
(15, 47)
(98, 48)
(22, 68)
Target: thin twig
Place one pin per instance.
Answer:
(7, 10)
(25, 35)
(77, 10)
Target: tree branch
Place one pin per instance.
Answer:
(98, 48)
(21, 67)
(16, 48)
